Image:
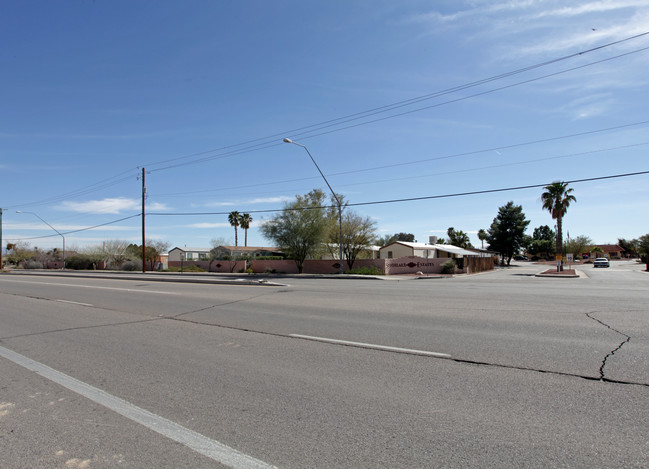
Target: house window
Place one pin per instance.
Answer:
(389, 254)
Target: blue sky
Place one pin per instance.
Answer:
(395, 100)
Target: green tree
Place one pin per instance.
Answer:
(458, 238)
(556, 199)
(407, 237)
(643, 248)
(507, 231)
(482, 235)
(301, 228)
(352, 231)
(579, 245)
(384, 240)
(19, 252)
(245, 220)
(357, 234)
(543, 242)
(629, 246)
(234, 218)
(391, 238)
(152, 251)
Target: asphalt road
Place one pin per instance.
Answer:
(501, 369)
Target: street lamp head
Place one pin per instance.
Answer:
(288, 140)
(18, 211)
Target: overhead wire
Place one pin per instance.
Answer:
(79, 230)
(303, 132)
(399, 104)
(104, 183)
(414, 162)
(411, 199)
(356, 204)
(310, 133)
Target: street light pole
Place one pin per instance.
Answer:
(59, 233)
(340, 209)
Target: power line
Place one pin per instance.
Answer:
(104, 183)
(424, 160)
(389, 107)
(308, 131)
(502, 165)
(358, 204)
(80, 229)
(413, 199)
(310, 134)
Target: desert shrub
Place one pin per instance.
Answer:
(187, 268)
(31, 264)
(449, 267)
(132, 266)
(79, 262)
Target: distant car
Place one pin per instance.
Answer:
(520, 258)
(601, 262)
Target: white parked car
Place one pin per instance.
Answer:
(601, 262)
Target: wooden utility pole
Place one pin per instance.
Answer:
(143, 225)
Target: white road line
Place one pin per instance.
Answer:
(91, 286)
(371, 346)
(201, 444)
(74, 303)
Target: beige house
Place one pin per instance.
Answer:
(428, 251)
(612, 251)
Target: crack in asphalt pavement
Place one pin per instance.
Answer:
(178, 317)
(242, 300)
(612, 352)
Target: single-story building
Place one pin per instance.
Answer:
(189, 254)
(612, 251)
(246, 251)
(398, 249)
(178, 254)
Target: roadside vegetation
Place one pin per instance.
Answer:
(311, 227)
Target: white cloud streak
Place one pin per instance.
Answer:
(113, 206)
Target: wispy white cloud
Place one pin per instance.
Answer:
(115, 205)
(533, 27)
(41, 226)
(255, 201)
(592, 7)
(590, 106)
(209, 225)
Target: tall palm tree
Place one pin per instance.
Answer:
(482, 235)
(245, 221)
(234, 218)
(556, 199)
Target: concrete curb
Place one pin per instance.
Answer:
(156, 277)
(578, 274)
(193, 277)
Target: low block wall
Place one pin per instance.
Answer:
(414, 264)
(401, 266)
(216, 266)
(276, 266)
(312, 266)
